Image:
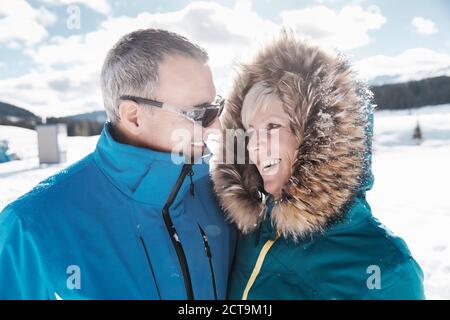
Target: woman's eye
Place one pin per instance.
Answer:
(272, 126)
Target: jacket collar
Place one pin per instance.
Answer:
(354, 215)
(143, 174)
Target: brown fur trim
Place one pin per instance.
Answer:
(328, 116)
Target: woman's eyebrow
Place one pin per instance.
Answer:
(274, 118)
(269, 120)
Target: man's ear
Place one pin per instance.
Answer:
(129, 116)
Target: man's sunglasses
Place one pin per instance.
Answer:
(206, 113)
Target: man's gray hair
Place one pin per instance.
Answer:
(131, 66)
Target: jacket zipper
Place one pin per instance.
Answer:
(257, 268)
(150, 265)
(173, 232)
(209, 255)
(186, 170)
(259, 262)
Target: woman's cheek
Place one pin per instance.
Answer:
(252, 157)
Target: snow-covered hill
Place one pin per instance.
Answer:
(411, 194)
(414, 75)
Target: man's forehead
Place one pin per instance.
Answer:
(185, 82)
(177, 66)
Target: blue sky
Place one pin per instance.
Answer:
(51, 51)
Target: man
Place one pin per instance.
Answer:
(134, 219)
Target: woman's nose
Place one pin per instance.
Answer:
(257, 142)
(252, 145)
(217, 125)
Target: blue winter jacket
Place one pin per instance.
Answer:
(96, 231)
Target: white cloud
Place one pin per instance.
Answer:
(100, 6)
(203, 22)
(54, 92)
(66, 75)
(424, 26)
(20, 22)
(66, 67)
(346, 29)
(411, 64)
(209, 25)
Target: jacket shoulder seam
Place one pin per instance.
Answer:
(401, 265)
(404, 255)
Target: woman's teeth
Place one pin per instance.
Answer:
(269, 164)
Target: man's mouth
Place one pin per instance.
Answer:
(269, 165)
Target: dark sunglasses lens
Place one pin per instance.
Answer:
(210, 116)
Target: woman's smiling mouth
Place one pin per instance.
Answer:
(269, 165)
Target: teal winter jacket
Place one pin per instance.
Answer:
(320, 239)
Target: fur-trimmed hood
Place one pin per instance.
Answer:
(329, 113)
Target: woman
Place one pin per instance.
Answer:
(307, 230)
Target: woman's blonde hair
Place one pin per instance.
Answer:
(258, 99)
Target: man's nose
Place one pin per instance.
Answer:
(214, 128)
(215, 125)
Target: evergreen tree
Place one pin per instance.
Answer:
(417, 135)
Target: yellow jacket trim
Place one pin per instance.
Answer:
(258, 265)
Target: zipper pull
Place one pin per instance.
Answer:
(209, 255)
(191, 187)
(207, 248)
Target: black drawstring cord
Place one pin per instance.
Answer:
(191, 187)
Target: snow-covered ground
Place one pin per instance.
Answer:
(18, 177)
(411, 194)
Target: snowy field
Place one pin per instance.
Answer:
(411, 192)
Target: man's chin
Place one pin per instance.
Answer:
(194, 153)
